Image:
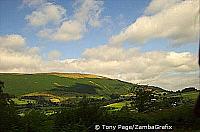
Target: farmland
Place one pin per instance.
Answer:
(53, 98)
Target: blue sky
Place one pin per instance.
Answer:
(13, 13)
(69, 36)
(122, 14)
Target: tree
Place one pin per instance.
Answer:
(143, 100)
(196, 109)
(1, 86)
(36, 121)
(8, 116)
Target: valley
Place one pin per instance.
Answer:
(71, 102)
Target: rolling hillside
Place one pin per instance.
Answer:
(64, 84)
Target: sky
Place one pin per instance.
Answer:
(152, 42)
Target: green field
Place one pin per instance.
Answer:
(22, 101)
(190, 95)
(119, 105)
(20, 84)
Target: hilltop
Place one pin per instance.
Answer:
(65, 84)
(74, 75)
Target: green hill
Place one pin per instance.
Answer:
(64, 84)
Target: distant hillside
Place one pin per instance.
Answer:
(74, 75)
(64, 84)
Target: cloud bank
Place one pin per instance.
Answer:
(176, 21)
(16, 56)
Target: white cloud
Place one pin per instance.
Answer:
(69, 30)
(107, 52)
(87, 14)
(133, 60)
(46, 13)
(15, 56)
(54, 55)
(177, 22)
(14, 61)
(33, 3)
(156, 6)
(179, 81)
(45, 33)
(13, 41)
